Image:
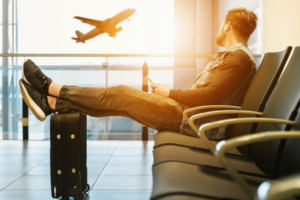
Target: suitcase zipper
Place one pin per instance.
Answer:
(55, 191)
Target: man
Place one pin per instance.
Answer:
(223, 81)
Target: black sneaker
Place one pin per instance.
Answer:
(36, 101)
(35, 77)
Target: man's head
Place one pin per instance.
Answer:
(239, 23)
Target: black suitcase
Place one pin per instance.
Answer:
(68, 155)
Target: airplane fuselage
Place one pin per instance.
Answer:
(91, 34)
(108, 25)
(125, 14)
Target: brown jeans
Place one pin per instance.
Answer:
(159, 113)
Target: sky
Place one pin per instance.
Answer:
(47, 27)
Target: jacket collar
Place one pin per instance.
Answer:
(233, 48)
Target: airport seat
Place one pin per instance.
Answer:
(179, 177)
(282, 104)
(187, 181)
(257, 95)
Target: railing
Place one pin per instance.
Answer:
(145, 69)
(114, 55)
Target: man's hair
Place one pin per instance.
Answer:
(243, 21)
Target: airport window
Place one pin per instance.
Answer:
(46, 27)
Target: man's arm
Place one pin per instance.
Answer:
(232, 71)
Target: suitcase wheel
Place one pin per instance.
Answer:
(87, 188)
(80, 197)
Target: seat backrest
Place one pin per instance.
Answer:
(283, 101)
(261, 87)
(290, 161)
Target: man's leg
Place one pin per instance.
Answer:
(155, 111)
(151, 110)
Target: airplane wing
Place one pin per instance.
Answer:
(89, 21)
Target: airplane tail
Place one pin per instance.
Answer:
(79, 37)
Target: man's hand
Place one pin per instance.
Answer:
(160, 90)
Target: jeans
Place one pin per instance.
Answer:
(159, 113)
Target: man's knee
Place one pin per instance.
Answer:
(121, 89)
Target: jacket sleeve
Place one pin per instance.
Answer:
(236, 65)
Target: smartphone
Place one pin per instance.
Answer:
(150, 80)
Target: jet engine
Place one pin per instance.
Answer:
(114, 32)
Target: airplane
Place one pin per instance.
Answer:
(106, 26)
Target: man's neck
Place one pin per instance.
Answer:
(233, 41)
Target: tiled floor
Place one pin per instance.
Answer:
(116, 170)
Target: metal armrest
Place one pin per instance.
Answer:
(207, 107)
(219, 112)
(281, 189)
(225, 145)
(211, 125)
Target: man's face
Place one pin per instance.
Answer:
(221, 37)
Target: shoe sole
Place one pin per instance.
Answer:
(24, 78)
(35, 109)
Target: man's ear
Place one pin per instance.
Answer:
(227, 26)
